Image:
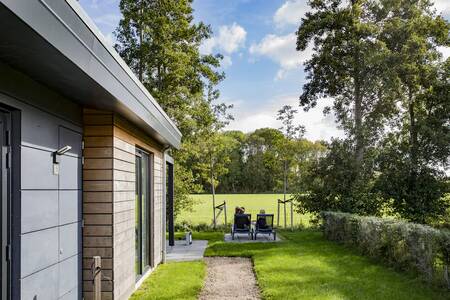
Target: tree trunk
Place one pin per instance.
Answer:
(359, 137)
(213, 191)
(359, 147)
(285, 180)
(412, 134)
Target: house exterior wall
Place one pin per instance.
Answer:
(110, 143)
(50, 214)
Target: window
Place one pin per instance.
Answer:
(143, 212)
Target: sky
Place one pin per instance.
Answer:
(263, 70)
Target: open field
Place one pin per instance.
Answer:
(252, 202)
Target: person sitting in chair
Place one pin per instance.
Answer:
(238, 210)
(261, 222)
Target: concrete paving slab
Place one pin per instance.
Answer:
(183, 252)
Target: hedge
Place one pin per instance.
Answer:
(402, 245)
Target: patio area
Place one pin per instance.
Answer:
(182, 252)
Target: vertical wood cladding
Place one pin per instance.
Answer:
(109, 200)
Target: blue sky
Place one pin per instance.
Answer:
(263, 70)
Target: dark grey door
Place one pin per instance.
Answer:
(5, 196)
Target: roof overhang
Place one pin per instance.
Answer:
(57, 44)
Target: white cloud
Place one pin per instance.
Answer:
(445, 51)
(226, 62)
(318, 127)
(229, 40)
(443, 6)
(291, 12)
(281, 49)
(111, 20)
(110, 39)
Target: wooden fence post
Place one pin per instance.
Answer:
(278, 215)
(97, 277)
(225, 212)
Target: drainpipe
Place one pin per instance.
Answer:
(164, 206)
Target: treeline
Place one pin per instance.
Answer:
(253, 162)
(380, 62)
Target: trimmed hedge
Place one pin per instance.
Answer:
(402, 245)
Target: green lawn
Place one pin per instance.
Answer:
(253, 203)
(181, 280)
(303, 266)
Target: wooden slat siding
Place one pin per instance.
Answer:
(98, 208)
(109, 200)
(101, 152)
(100, 142)
(106, 265)
(105, 296)
(98, 198)
(97, 185)
(98, 174)
(97, 230)
(126, 138)
(124, 217)
(88, 274)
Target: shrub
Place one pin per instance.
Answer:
(402, 245)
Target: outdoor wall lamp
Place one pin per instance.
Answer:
(56, 158)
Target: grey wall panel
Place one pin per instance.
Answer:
(51, 204)
(39, 250)
(68, 137)
(72, 294)
(39, 210)
(41, 285)
(69, 240)
(69, 206)
(38, 131)
(37, 170)
(70, 173)
(68, 275)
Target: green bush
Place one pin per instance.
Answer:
(402, 245)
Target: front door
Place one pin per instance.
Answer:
(5, 123)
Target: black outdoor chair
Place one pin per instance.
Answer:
(264, 225)
(242, 224)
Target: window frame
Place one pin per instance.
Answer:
(144, 166)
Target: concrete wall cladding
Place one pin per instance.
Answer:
(109, 201)
(51, 204)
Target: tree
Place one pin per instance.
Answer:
(333, 182)
(419, 142)
(346, 65)
(160, 42)
(232, 181)
(287, 146)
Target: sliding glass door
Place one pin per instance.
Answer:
(143, 212)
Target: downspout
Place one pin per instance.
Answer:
(164, 206)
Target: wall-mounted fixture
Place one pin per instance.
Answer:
(56, 158)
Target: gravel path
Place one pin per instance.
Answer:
(230, 278)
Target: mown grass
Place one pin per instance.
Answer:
(306, 266)
(303, 266)
(253, 203)
(181, 280)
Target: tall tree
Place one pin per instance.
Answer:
(345, 65)
(160, 42)
(287, 146)
(413, 150)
